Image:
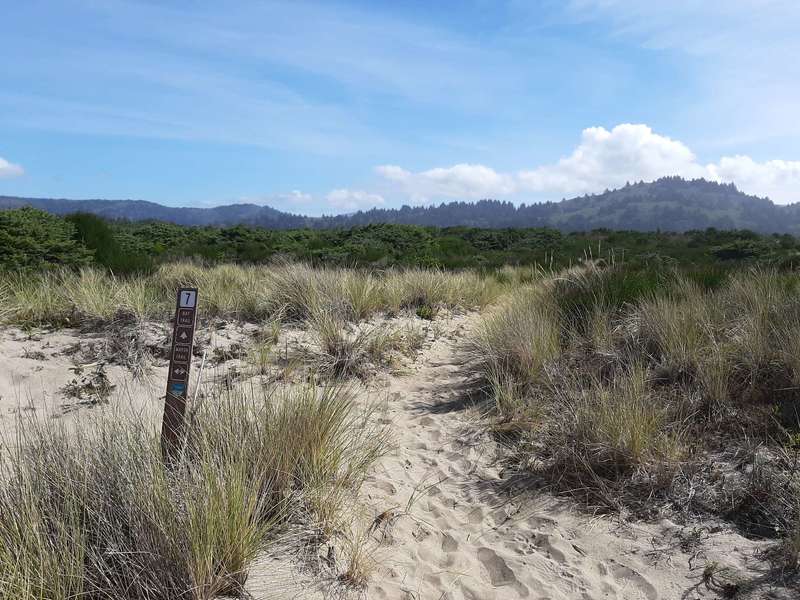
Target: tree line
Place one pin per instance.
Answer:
(32, 239)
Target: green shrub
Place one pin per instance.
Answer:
(33, 240)
(97, 235)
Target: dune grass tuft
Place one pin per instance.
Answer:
(624, 381)
(281, 291)
(93, 513)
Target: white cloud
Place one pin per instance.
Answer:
(393, 172)
(603, 159)
(296, 197)
(607, 159)
(350, 200)
(467, 181)
(778, 179)
(8, 169)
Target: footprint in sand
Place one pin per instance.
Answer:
(471, 594)
(475, 516)
(384, 486)
(500, 574)
(449, 543)
(630, 578)
(545, 543)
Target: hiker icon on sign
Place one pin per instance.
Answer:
(188, 299)
(183, 335)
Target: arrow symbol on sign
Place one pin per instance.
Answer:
(179, 371)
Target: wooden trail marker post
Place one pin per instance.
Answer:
(180, 360)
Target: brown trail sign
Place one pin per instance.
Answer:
(180, 360)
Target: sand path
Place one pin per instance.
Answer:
(466, 536)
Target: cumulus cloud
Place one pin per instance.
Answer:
(467, 181)
(350, 200)
(602, 159)
(8, 169)
(778, 179)
(607, 159)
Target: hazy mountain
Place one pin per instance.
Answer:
(669, 204)
(141, 210)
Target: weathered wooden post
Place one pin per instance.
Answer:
(180, 361)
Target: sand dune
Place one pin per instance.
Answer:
(443, 517)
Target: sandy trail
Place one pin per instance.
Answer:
(466, 536)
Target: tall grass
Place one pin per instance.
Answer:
(93, 513)
(286, 291)
(624, 425)
(636, 376)
(519, 337)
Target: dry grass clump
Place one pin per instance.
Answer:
(228, 291)
(737, 346)
(517, 339)
(363, 294)
(346, 350)
(518, 275)
(427, 290)
(623, 425)
(613, 438)
(634, 379)
(93, 513)
(261, 352)
(285, 291)
(33, 300)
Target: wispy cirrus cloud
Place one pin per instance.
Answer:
(739, 54)
(163, 71)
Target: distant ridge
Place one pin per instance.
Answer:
(667, 204)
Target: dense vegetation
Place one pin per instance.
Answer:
(31, 239)
(670, 203)
(34, 240)
(654, 391)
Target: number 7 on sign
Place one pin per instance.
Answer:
(188, 299)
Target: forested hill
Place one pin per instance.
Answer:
(668, 204)
(140, 210)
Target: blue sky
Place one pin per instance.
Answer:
(333, 106)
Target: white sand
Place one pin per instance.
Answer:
(468, 538)
(467, 535)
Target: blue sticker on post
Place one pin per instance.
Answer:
(177, 388)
